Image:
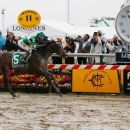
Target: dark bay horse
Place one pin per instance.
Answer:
(37, 64)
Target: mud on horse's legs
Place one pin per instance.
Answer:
(50, 84)
(5, 71)
(55, 82)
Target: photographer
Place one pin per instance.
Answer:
(84, 47)
(93, 38)
(118, 43)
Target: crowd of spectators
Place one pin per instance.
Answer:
(96, 44)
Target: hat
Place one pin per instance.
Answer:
(59, 38)
(40, 35)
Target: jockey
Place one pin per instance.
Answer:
(32, 42)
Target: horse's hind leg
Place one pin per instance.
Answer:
(6, 80)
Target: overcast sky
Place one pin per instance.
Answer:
(80, 10)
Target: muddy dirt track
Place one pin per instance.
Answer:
(71, 112)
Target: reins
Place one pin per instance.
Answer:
(36, 51)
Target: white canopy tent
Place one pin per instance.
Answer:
(56, 29)
(50, 28)
(110, 33)
(68, 29)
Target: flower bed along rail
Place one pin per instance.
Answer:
(35, 80)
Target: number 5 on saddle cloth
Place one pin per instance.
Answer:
(16, 59)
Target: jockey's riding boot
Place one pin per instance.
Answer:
(23, 59)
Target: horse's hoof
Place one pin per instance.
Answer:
(58, 89)
(61, 95)
(14, 97)
(49, 94)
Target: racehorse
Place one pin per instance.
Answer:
(37, 64)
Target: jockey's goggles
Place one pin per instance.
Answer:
(41, 38)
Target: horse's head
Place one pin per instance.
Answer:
(57, 48)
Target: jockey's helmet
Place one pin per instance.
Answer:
(40, 35)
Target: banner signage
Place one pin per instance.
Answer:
(29, 19)
(126, 81)
(97, 81)
(122, 57)
(19, 28)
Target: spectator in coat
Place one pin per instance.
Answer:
(103, 40)
(70, 48)
(96, 48)
(11, 43)
(2, 41)
(84, 47)
(110, 49)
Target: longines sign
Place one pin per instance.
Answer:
(21, 29)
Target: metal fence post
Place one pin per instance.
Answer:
(101, 59)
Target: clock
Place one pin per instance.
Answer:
(122, 24)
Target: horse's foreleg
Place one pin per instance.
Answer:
(55, 82)
(6, 80)
(47, 76)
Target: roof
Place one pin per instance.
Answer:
(62, 26)
(71, 30)
(107, 31)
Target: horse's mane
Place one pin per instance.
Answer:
(48, 43)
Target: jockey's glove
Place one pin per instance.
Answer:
(37, 46)
(34, 47)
